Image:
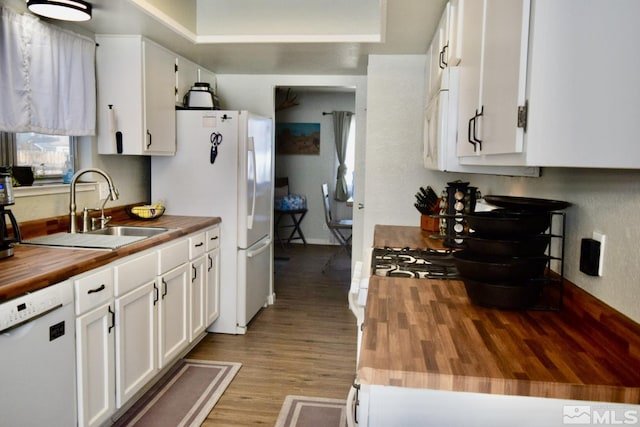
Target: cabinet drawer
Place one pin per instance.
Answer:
(197, 245)
(173, 255)
(135, 272)
(213, 238)
(93, 290)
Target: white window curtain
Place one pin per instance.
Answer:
(341, 127)
(47, 78)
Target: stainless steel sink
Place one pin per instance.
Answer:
(108, 238)
(127, 230)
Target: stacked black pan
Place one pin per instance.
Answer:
(505, 255)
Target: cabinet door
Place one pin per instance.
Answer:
(438, 53)
(454, 53)
(95, 365)
(159, 96)
(186, 76)
(583, 84)
(492, 76)
(136, 345)
(504, 67)
(198, 283)
(120, 98)
(212, 288)
(173, 310)
(207, 76)
(469, 90)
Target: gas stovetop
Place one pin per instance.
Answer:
(414, 263)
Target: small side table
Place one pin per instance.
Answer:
(296, 216)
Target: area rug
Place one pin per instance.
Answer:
(303, 411)
(183, 397)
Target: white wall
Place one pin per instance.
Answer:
(307, 172)
(603, 200)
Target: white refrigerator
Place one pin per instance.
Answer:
(224, 167)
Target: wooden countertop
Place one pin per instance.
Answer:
(35, 267)
(401, 236)
(426, 334)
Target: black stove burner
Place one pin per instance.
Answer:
(414, 263)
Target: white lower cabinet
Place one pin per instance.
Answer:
(136, 341)
(198, 283)
(173, 314)
(95, 347)
(212, 289)
(135, 317)
(198, 262)
(136, 324)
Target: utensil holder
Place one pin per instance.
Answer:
(429, 223)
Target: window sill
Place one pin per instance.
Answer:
(48, 189)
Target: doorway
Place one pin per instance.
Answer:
(307, 168)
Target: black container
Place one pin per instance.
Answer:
(503, 224)
(494, 269)
(524, 247)
(505, 296)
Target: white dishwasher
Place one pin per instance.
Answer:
(37, 359)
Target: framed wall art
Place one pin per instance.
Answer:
(298, 138)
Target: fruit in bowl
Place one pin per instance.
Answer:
(146, 211)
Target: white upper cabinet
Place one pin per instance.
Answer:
(136, 96)
(438, 54)
(454, 50)
(584, 84)
(188, 73)
(493, 76)
(186, 76)
(581, 84)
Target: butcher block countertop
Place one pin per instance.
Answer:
(35, 267)
(426, 334)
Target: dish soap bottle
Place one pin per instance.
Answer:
(68, 175)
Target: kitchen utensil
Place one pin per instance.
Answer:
(460, 200)
(505, 224)
(23, 175)
(6, 187)
(427, 201)
(527, 246)
(201, 96)
(503, 296)
(526, 203)
(494, 269)
(8, 235)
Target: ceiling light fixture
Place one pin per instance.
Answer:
(65, 10)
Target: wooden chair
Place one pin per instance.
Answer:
(338, 228)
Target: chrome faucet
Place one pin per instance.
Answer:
(113, 195)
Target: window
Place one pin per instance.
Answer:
(50, 156)
(350, 159)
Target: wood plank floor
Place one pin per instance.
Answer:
(304, 344)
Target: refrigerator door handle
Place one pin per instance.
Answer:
(255, 252)
(254, 178)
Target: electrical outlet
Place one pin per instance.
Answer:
(599, 237)
(103, 190)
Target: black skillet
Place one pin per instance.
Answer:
(526, 203)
